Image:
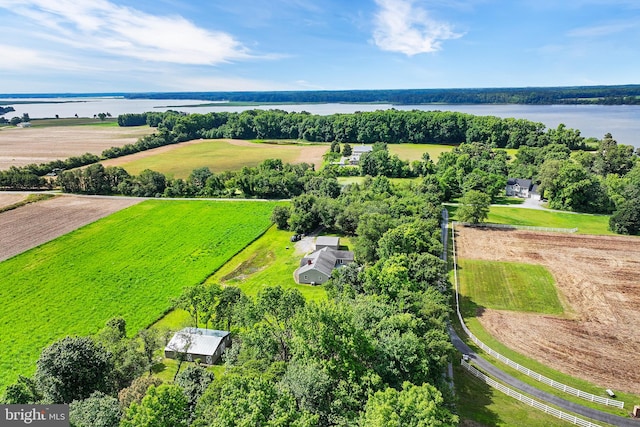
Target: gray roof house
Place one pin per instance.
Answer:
(316, 268)
(207, 345)
(357, 151)
(519, 187)
(327, 242)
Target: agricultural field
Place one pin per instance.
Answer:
(598, 283)
(219, 155)
(269, 261)
(129, 264)
(41, 144)
(34, 224)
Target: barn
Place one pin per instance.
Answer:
(206, 345)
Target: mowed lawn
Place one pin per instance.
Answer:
(508, 286)
(218, 155)
(129, 264)
(269, 261)
(586, 223)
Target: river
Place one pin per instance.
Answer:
(622, 121)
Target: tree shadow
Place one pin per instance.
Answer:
(474, 398)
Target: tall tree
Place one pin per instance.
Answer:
(413, 406)
(73, 368)
(474, 207)
(163, 406)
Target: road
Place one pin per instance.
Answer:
(522, 387)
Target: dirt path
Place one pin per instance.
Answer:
(37, 223)
(598, 277)
(20, 147)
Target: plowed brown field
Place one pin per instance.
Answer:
(20, 147)
(598, 279)
(37, 223)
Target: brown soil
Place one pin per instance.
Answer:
(20, 147)
(7, 199)
(36, 223)
(598, 279)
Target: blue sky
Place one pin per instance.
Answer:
(215, 45)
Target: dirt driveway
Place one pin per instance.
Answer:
(598, 278)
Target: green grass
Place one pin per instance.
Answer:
(413, 152)
(483, 404)
(509, 286)
(269, 261)
(129, 264)
(217, 155)
(586, 223)
(110, 122)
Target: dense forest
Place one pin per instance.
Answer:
(626, 94)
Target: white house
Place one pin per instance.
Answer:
(207, 345)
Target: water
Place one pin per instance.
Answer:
(622, 121)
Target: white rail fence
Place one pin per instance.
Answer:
(555, 384)
(529, 401)
(519, 227)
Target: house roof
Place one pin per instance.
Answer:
(322, 260)
(524, 183)
(362, 149)
(327, 241)
(196, 341)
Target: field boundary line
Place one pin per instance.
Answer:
(539, 377)
(519, 227)
(527, 400)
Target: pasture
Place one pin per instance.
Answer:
(218, 155)
(128, 264)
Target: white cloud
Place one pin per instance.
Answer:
(401, 26)
(102, 26)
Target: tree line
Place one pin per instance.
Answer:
(623, 94)
(390, 126)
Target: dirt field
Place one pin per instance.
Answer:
(36, 223)
(20, 147)
(598, 279)
(7, 199)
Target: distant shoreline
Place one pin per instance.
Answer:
(562, 95)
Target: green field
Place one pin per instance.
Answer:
(110, 122)
(586, 223)
(413, 152)
(217, 155)
(508, 286)
(129, 264)
(269, 261)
